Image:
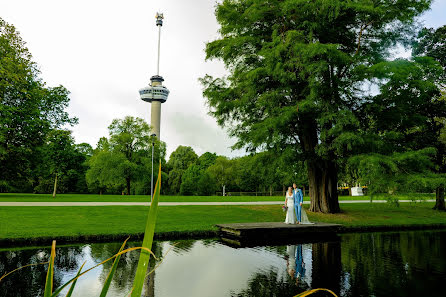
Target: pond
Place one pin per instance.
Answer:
(364, 264)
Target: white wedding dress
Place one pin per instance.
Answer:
(290, 214)
(305, 220)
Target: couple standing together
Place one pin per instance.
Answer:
(295, 212)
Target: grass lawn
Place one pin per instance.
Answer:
(13, 197)
(20, 222)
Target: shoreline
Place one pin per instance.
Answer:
(184, 235)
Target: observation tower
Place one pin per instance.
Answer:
(155, 92)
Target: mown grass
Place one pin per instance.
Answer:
(29, 222)
(19, 197)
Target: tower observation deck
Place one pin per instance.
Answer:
(155, 92)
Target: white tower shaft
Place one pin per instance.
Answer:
(155, 118)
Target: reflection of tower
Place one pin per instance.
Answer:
(149, 286)
(155, 92)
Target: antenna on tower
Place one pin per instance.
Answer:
(159, 23)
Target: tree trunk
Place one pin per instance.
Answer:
(322, 173)
(439, 195)
(270, 190)
(55, 187)
(322, 176)
(128, 185)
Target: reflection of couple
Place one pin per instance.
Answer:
(295, 262)
(295, 212)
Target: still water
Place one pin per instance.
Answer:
(367, 264)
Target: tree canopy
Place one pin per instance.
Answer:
(297, 71)
(125, 157)
(28, 109)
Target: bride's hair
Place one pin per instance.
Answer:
(290, 190)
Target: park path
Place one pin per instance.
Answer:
(179, 203)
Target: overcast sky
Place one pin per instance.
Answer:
(103, 52)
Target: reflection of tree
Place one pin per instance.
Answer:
(326, 272)
(30, 281)
(397, 264)
(269, 283)
(126, 270)
(182, 246)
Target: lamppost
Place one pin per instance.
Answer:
(151, 185)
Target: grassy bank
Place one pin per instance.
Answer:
(31, 222)
(13, 197)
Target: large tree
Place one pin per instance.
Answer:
(223, 172)
(125, 157)
(297, 71)
(28, 109)
(179, 161)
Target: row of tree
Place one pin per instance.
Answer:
(122, 163)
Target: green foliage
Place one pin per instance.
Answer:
(59, 156)
(179, 161)
(125, 158)
(207, 159)
(196, 180)
(223, 171)
(28, 110)
(206, 184)
(431, 43)
(396, 173)
(106, 171)
(189, 180)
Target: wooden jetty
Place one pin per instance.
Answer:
(251, 234)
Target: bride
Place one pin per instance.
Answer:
(289, 203)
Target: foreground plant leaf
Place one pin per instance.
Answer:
(57, 292)
(50, 273)
(112, 272)
(307, 293)
(74, 282)
(28, 265)
(144, 257)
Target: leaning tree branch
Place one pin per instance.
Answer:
(357, 48)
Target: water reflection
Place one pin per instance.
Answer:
(369, 264)
(28, 281)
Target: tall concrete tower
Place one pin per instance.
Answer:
(155, 92)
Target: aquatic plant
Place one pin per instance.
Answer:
(143, 263)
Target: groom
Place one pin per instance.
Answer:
(298, 198)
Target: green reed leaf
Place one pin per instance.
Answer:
(57, 292)
(112, 272)
(144, 257)
(74, 282)
(50, 272)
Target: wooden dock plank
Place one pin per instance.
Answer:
(275, 231)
